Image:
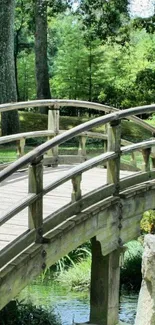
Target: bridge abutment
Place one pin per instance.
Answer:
(104, 291)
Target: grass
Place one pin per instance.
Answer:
(9, 153)
(76, 277)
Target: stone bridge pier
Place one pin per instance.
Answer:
(104, 288)
(104, 291)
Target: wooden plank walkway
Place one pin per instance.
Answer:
(15, 188)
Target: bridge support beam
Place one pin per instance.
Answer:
(104, 291)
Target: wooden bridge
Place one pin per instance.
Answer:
(46, 212)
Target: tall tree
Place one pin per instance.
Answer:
(103, 17)
(9, 121)
(42, 76)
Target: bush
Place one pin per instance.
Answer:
(16, 313)
(131, 276)
(148, 222)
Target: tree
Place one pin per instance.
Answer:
(42, 73)
(103, 17)
(23, 37)
(9, 121)
(42, 76)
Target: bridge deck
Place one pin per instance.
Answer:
(15, 188)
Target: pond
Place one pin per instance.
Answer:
(71, 306)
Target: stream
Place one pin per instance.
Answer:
(73, 306)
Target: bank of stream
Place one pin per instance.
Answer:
(73, 306)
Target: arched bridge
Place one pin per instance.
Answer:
(46, 212)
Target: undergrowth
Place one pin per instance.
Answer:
(77, 277)
(17, 313)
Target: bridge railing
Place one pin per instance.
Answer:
(38, 228)
(52, 156)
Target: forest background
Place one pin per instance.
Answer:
(93, 50)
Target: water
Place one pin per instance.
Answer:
(73, 306)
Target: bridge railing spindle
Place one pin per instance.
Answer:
(114, 144)
(146, 156)
(53, 124)
(35, 213)
(76, 193)
(82, 146)
(20, 147)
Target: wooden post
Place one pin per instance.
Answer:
(105, 145)
(20, 147)
(35, 215)
(152, 155)
(104, 292)
(146, 156)
(114, 143)
(53, 124)
(76, 182)
(133, 159)
(82, 146)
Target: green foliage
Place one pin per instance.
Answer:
(16, 313)
(74, 257)
(71, 60)
(76, 277)
(118, 72)
(148, 222)
(131, 271)
(26, 76)
(104, 16)
(134, 132)
(30, 121)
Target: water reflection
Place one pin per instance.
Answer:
(73, 306)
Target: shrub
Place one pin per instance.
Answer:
(131, 271)
(148, 222)
(16, 313)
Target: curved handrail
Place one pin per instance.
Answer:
(83, 167)
(40, 150)
(29, 236)
(57, 103)
(47, 133)
(25, 135)
(81, 206)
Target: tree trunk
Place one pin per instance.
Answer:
(42, 76)
(9, 121)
